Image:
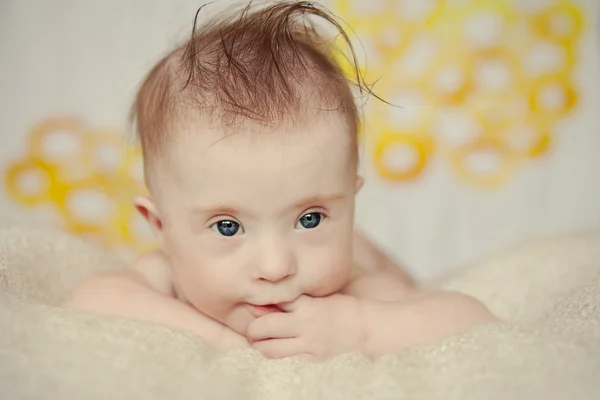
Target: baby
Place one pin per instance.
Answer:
(249, 139)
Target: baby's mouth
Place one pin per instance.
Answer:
(259, 311)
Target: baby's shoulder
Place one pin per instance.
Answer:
(155, 268)
(377, 285)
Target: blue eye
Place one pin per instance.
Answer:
(226, 227)
(310, 220)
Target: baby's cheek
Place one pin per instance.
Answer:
(330, 275)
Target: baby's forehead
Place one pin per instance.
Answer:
(205, 157)
(209, 138)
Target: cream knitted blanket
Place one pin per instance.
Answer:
(548, 292)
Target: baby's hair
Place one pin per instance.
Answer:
(267, 66)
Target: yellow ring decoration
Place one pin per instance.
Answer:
(449, 22)
(559, 81)
(71, 126)
(485, 180)
(543, 22)
(464, 65)
(420, 144)
(539, 144)
(14, 174)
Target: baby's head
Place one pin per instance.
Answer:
(249, 137)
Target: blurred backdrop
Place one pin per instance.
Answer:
(496, 139)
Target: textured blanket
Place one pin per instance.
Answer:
(547, 291)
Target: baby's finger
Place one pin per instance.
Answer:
(296, 304)
(275, 325)
(280, 348)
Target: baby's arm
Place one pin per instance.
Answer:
(127, 293)
(422, 318)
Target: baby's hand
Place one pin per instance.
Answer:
(313, 327)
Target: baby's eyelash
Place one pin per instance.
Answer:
(321, 211)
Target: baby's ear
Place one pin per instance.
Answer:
(359, 183)
(145, 206)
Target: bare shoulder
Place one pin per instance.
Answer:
(378, 285)
(371, 259)
(374, 275)
(108, 291)
(105, 292)
(155, 269)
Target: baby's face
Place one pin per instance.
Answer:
(258, 217)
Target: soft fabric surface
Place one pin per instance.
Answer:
(549, 348)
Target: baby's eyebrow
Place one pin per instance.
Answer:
(314, 200)
(215, 210)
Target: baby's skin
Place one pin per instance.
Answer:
(258, 249)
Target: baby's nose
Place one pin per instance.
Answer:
(277, 263)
